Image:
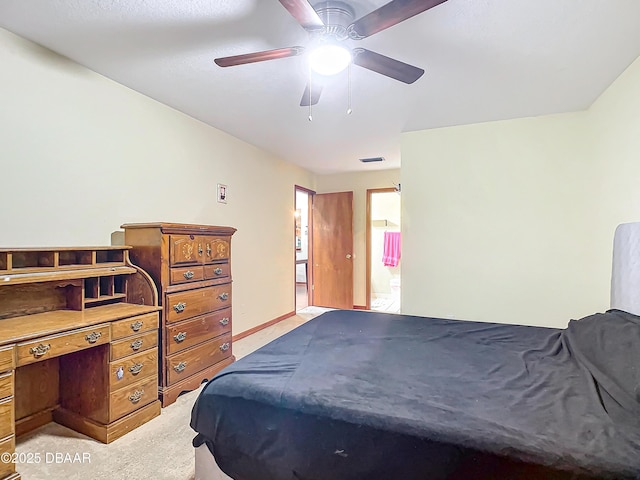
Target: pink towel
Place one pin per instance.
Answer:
(391, 251)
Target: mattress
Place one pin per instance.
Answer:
(353, 394)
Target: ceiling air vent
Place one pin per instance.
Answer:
(372, 159)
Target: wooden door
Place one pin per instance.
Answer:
(332, 247)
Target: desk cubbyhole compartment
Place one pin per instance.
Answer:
(75, 257)
(33, 298)
(32, 260)
(120, 285)
(4, 257)
(91, 288)
(109, 256)
(106, 286)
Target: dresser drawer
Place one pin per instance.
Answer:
(132, 369)
(135, 344)
(187, 304)
(186, 274)
(6, 385)
(128, 399)
(200, 329)
(217, 270)
(183, 364)
(7, 445)
(6, 417)
(7, 359)
(60, 344)
(215, 248)
(185, 250)
(134, 325)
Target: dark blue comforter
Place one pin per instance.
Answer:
(362, 395)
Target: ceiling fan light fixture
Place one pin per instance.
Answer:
(329, 59)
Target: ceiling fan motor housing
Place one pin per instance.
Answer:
(336, 16)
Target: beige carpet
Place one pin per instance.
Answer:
(161, 449)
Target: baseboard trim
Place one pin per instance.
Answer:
(262, 326)
(360, 307)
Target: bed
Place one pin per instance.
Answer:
(364, 395)
(354, 394)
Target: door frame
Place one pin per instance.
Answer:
(370, 192)
(310, 193)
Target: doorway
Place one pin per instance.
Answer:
(383, 250)
(302, 243)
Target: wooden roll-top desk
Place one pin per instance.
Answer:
(78, 343)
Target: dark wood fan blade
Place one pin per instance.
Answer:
(304, 13)
(386, 66)
(389, 15)
(259, 56)
(316, 90)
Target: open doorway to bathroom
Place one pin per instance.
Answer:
(302, 216)
(383, 250)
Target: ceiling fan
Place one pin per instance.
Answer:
(330, 24)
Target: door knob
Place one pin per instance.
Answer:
(348, 255)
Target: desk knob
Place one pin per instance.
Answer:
(40, 350)
(93, 337)
(136, 396)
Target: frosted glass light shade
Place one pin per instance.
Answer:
(329, 59)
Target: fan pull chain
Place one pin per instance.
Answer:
(349, 111)
(310, 107)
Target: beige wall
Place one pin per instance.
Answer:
(82, 154)
(513, 221)
(358, 183)
(614, 126)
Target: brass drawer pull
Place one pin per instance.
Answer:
(136, 396)
(224, 321)
(218, 271)
(179, 307)
(93, 337)
(40, 350)
(180, 337)
(135, 369)
(136, 345)
(188, 274)
(180, 367)
(200, 249)
(223, 296)
(225, 346)
(208, 250)
(137, 325)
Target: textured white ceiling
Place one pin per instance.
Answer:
(484, 59)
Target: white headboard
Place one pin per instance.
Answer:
(625, 274)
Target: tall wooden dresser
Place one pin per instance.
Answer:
(191, 266)
(78, 343)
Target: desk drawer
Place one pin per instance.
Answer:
(7, 359)
(6, 385)
(6, 417)
(135, 344)
(7, 445)
(185, 364)
(128, 399)
(200, 329)
(132, 369)
(134, 325)
(190, 303)
(186, 274)
(62, 343)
